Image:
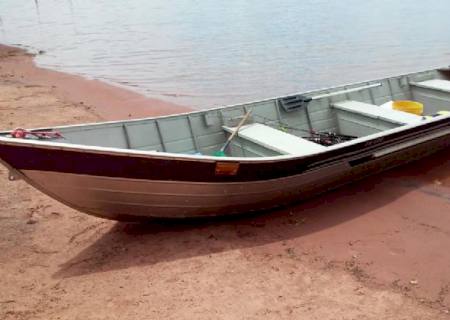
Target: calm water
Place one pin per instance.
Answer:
(210, 52)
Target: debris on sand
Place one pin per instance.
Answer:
(414, 282)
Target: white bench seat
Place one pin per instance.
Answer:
(276, 140)
(435, 84)
(377, 112)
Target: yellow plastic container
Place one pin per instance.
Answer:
(408, 106)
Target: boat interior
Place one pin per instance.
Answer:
(292, 125)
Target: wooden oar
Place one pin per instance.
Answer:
(221, 152)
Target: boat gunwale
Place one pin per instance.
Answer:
(317, 168)
(302, 164)
(213, 159)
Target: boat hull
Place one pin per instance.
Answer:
(128, 199)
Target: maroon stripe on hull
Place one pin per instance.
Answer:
(159, 168)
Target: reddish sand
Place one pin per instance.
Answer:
(110, 102)
(377, 249)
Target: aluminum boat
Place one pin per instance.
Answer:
(281, 150)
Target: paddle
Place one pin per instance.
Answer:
(221, 152)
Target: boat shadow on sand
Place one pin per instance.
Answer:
(328, 222)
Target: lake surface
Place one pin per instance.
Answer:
(209, 53)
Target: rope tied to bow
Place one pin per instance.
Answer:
(20, 133)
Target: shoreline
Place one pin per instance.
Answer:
(108, 101)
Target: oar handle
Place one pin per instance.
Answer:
(241, 123)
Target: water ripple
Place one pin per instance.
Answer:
(207, 53)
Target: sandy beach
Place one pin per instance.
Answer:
(376, 249)
(107, 101)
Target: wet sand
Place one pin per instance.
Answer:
(377, 249)
(108, 101)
